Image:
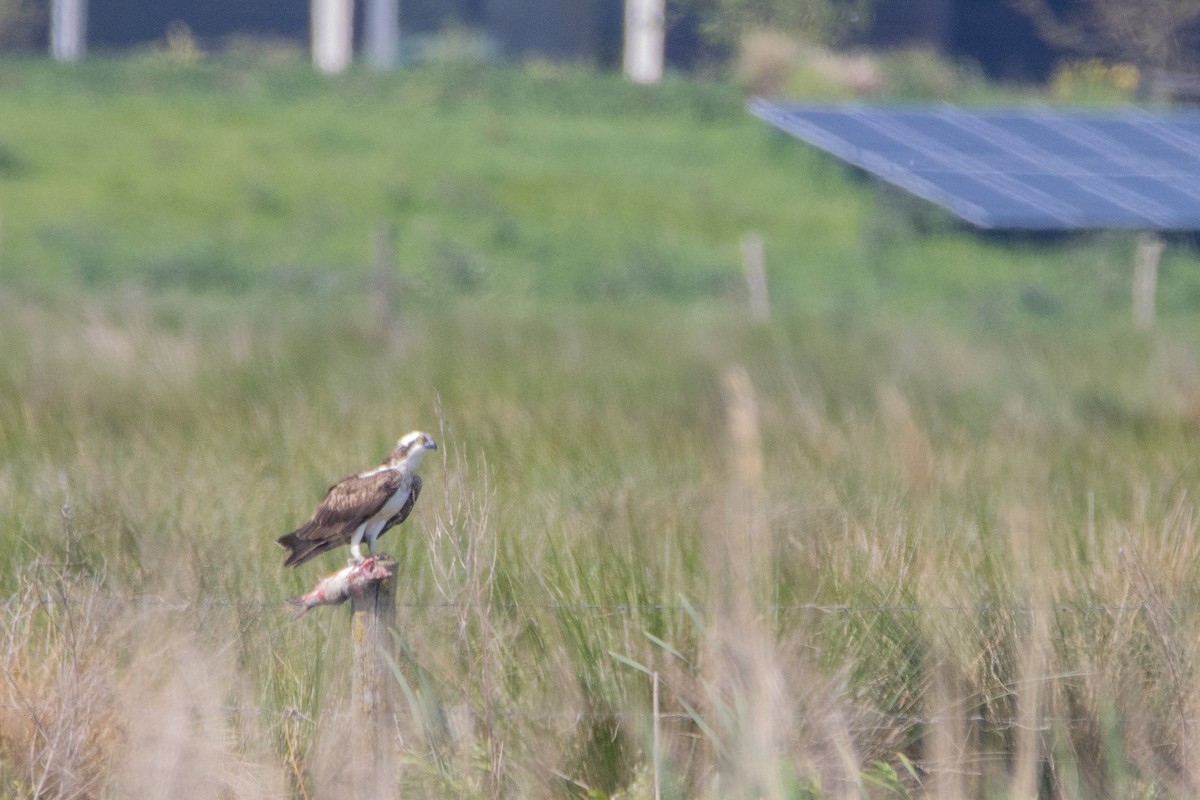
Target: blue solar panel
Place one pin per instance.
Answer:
(1035, 168)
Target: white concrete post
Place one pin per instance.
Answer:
(332, 34)
(645, 40)
(381, 33)
(68, 29)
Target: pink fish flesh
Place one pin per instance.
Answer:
(338, 587)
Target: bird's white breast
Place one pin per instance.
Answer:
(395, 502)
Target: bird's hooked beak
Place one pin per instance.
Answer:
(428, 443)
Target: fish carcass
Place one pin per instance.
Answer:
(338, 587)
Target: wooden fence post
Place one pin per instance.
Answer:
(657, 748)
(754, 265)
(1145, 279)
(374, 736)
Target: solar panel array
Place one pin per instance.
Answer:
(1031, 169)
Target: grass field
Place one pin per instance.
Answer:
(929, 532)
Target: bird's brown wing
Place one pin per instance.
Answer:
(353, 500)
(349, 503)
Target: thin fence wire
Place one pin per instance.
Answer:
(869, 719)
(181, 605)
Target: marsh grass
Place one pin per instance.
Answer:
(923, 534)
(848, 589)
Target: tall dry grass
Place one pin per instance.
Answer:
(864, 562)
(59, 727)
(101, 699)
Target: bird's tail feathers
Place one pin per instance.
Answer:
(301, 549)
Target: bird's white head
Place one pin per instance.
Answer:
(410, 450)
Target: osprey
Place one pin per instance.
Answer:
(363, 506)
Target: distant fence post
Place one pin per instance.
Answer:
(645, 37)
(383, 277)
(754, 264)
(68, 29)
(1145, 279)
(381, 33)
(332, 34)
(374, 738)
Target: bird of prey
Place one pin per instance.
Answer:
(363, 506)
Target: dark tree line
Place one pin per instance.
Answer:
(999, 34)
